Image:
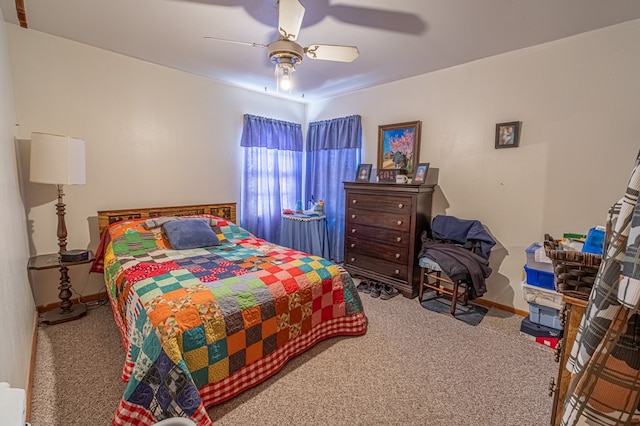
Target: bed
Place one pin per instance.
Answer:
(200, 325)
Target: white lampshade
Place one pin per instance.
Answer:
(56, 159)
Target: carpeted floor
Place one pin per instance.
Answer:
(413, 367)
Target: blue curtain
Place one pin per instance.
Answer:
(272, 173)
(333, 154)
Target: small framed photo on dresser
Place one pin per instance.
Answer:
(421, 173)
(363, 173)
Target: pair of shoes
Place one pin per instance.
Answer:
(376, 289)
(388, 291)
(364, 286)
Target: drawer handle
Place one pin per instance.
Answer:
(354, 201)
(353, 259)
(399, 222)
(397, 255)
(353, 245)
(353, 216)
(353, 231)
(399, 239)
(397, 271)
(400, 205)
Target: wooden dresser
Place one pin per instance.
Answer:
(383, 223)
(571, 317)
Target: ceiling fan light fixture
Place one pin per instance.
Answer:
(284, 75)
(285, 53)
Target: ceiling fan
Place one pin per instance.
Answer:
(285, 53)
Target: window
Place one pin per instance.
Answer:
(272, 173)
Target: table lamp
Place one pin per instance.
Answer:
(59, 160)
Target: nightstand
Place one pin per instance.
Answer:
(305, 233)
(68, 311)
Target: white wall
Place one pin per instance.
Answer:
(157, 136)
(17, 309)
(154, 136)
(578, 100)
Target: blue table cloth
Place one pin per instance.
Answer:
(305, 233)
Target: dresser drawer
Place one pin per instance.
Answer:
(384, 267)
(379, 249)
(396, 221)
(379, 235)
(380, 202)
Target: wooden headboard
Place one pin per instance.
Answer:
(224, 210)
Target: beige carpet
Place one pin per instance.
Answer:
(413, 367)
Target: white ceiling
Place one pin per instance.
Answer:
(396, 39)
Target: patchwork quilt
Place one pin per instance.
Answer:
(200, 326)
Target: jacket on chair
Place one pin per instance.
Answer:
(462, 248)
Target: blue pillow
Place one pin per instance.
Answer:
(190, 233)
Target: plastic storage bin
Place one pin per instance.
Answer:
(544, 335)
(544, 315)
(531, 259)
(539, 278)
(594, 242)
(542, 296)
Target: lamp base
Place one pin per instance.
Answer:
(57, 316)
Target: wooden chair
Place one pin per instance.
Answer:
(458, 244)
(431, 278)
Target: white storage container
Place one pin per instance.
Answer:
(537, 258)
(542, 296)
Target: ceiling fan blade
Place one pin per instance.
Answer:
(330, 52)
(290, 14)
(237, 42)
